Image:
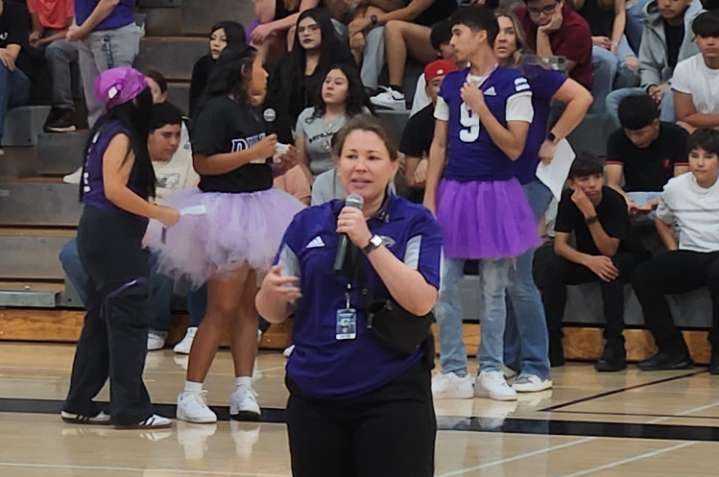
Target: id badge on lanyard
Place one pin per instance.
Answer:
(346, 319)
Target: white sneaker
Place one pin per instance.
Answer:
(153, 422)
(155, 340)
(73, 178)
(184, 346)
(451, 386)
(288, 351)
(100, 419)
(243, 404)
(192, 407)
(493, 385)
(390, 99)
(530, 383)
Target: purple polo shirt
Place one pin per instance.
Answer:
(122, 15)
(321, 365)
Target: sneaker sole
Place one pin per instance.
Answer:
(487, 394)
(182, 417)
(145, 428)
(245, 416)
(70, 420)
(61, 130)
(532, 389)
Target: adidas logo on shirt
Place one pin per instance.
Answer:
(521, 84)
(490, 91)
(316, 242)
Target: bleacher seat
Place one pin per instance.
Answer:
(23, 125)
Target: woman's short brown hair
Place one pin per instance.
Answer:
(363, 122)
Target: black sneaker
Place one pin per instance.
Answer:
(667, 360)
(60, 120)
(614, 357)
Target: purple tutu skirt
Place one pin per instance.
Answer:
(485, 219)
(237, 230)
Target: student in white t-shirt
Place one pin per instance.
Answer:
(696, 79)
(690, 206)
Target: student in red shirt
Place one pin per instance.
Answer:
(50, 21)
(554, 29)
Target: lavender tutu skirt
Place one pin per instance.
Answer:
(485, 219)
(237, 229)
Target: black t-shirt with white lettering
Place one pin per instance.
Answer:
(648, 170)
(224, 125)
(611, 212)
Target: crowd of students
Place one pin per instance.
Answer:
(500, 90)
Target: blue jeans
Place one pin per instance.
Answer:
(493, 283)
(160, 295)
(605, 66)
(14, 91)
(526, 341)
(666, 112)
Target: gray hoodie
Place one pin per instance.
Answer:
(654, 67)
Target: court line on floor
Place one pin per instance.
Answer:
(621, 390)
(143, 471)
(517, 457)
(635, 414)
(508, 425)
(629, 460)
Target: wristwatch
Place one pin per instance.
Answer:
(591, 220)
(552, 137)
(374, 242)
(374, 20)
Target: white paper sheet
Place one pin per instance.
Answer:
(554, 174)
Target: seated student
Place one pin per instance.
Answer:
(275, 32)
(553, 29)
(296, 82)
(419, 131)
(666, 40)
(696, 80)
(409, 37)
(644, 154)
(688, 206)
(439, 37)
(222, 35)
(597, 216)
(341, 98)
(14, 83)
(50, 22)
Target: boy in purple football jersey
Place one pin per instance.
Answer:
(483, 115)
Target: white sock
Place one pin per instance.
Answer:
(243, 381)
(193, 387)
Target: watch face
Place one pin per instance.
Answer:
(376, 241)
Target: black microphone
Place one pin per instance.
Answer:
(356, 201)
(270, 116)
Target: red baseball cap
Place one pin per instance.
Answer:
(438, 68)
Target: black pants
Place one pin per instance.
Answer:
(386, 433)
(679, 271)
(113, 342)
(562, 272)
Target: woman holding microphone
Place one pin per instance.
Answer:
(357, 406)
